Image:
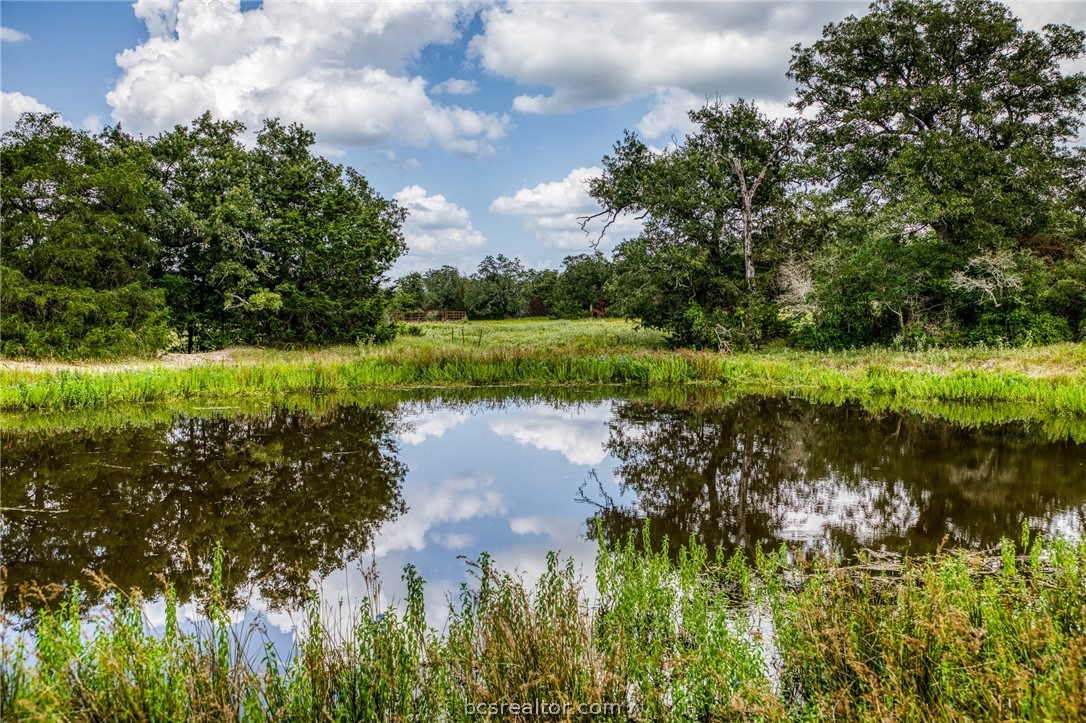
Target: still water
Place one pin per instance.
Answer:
(317, 491)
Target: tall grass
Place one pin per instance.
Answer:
(466, 367)
(956, 636)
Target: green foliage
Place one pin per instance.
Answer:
(944, 114)
(539, 290)
(110, 241)
(581, 286)
(942, 203)
(408, 293)
(711, 204)
(933, 638)
(497, 289)
(942, 126)
(445, 289)
(77, 254)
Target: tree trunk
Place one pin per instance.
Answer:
(748, 242)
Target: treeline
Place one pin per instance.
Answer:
(191, 239)
(925, 193)
(503, 288)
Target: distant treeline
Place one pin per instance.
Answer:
(190, 239)
(503, 288)
(927, 197)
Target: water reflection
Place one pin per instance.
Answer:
(771, 470)
(288, 493)
(301, 493)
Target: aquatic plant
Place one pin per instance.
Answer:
(953, 636)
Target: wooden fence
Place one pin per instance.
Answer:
(429, 316)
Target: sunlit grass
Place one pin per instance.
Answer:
(569, 353)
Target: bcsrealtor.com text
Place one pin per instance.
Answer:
(540, 708)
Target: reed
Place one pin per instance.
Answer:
(420, 367)
(954, 636)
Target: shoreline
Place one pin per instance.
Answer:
(566, 354)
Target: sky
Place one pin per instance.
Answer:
(483, 119)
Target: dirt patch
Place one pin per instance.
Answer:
(167, 361)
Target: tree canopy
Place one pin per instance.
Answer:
(924, 193)
(944, 115)
(111, 242)
(709, 205)
(78, 250)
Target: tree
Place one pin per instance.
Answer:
(944, 116)
(209, 228)
(269, 244)
(329, 237)
(943, 126)
(755, 150)
(445, 289)
(710, 204)
(497, 289)
(581, 286)
(539, 289)
(77, 253)
(409, 293)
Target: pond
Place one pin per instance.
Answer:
(319, 491)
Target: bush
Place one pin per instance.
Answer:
(44, 320)
(1020, 327)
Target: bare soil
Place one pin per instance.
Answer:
(167, 361)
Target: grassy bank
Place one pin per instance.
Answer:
(954, 637)
(1052, 380)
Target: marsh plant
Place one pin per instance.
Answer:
(951, 636)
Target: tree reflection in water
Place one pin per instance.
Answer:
(289, 493)
(765, 470)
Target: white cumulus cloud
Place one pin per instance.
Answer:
(15, 104)
(552, 211)
(600, 53)
(456, 86)
(435, 225)
(11, 35)
(580, 437)
(453, 500)
(339, 68)
(424, 424)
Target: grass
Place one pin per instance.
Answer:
(955, 636)
(1051, 380)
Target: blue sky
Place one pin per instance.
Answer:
(483, 119)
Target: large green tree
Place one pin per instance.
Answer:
(77, 254)
(330, 239)
(209, 229)
(943, 125)
(270, 243)
(945, 116)
(710, 206)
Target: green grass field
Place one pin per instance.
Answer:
(1050, 380)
